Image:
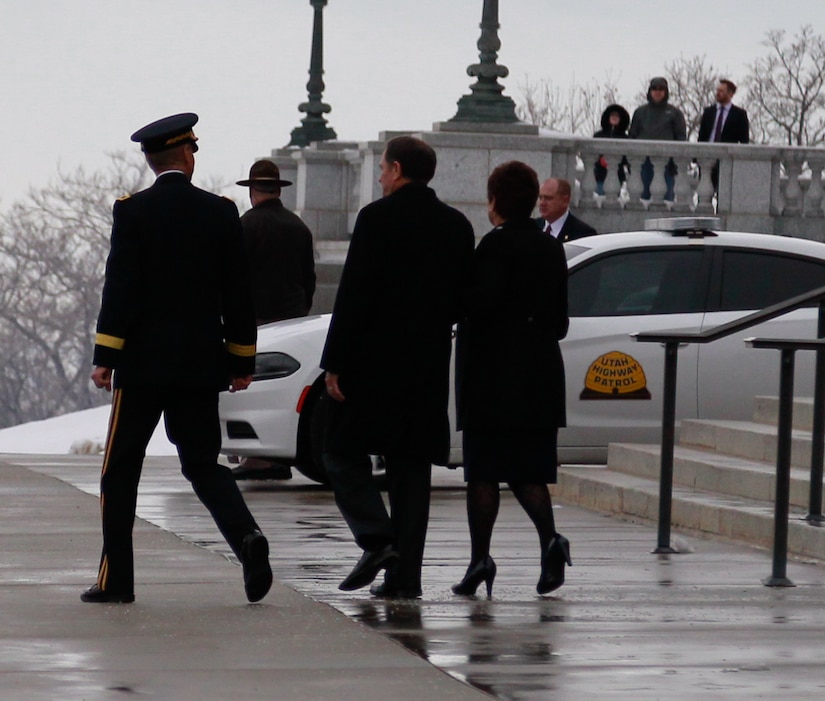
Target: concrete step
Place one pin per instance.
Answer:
(746, 439)
(766, 411)
(742, 520)
(695, 468)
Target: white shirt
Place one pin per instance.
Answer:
(554, 227)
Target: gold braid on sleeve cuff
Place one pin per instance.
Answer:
(241, 350)
(107, 341)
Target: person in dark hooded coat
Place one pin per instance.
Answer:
(658, 120)
(615, 120)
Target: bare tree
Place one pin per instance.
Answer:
(785, 88)
(575, 109)
(692, 84)
(53, 247)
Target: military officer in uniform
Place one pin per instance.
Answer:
(176, 326)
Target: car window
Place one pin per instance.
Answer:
(571, 250)
(754, 280)
(648, 281)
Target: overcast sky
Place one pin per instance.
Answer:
(77, 77)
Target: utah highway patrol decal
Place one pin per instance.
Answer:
(615, 375)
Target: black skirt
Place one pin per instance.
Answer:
(527, 457)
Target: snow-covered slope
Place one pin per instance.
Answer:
(79, 432)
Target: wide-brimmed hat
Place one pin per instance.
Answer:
(262, 174)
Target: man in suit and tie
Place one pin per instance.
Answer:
(724, 123)
(556, 218)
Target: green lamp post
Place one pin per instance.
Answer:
(314, 125)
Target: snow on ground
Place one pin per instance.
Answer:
(79, 432)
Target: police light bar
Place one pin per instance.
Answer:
(685, 226)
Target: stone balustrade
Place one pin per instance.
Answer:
(767, 189)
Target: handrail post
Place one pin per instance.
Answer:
(668, 441)
(818, 429)
(778, 576)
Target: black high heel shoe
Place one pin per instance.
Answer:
(552, 564)
(484, 571)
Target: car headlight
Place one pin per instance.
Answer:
(269, 366)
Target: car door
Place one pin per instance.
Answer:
(614, 384)
(744, 281)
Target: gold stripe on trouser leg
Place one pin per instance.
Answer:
(103, 573)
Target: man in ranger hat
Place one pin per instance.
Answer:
(281, 271)
(176, 326)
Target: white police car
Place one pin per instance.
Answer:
(680, 275)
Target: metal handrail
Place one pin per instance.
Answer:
(672, 340)
(734, 326)
(788, 346)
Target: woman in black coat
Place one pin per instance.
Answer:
(511, 375)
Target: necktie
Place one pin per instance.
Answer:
(720, 119)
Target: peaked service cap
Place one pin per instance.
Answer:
(167, 133)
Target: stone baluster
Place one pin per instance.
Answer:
(634, 182)
(566, 165)
(814, 196)
(777, 197)
(657, 186)
(612, 185)
(793, 192)
(587, 178)
(684, 185)
(704, 189)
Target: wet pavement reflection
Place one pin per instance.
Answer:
(627, 625)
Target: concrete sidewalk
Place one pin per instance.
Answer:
(189, 635)
(627, 625)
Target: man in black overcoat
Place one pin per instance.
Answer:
(724, 123)
(176, 326)
(556, 218)
(387, 358)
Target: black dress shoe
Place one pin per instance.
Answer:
(385, 590)
(368, 567)
(552, 564)
(96, 595)
(482, 571)
(257, 574)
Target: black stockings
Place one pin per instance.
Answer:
(535, 500)
(482, 509)
(483, 500)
